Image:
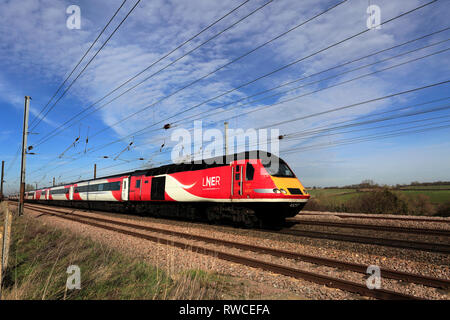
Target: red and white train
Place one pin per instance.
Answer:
(243, 189)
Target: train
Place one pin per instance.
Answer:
(251, 189)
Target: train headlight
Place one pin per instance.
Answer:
(283, 191)
(276, 190)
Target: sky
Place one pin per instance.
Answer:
(38, 51)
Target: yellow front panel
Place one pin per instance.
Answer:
(285, 183)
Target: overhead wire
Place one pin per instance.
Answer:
(62, 126)
(373, 137)
(382, 98)
(79, 62)
(278, 69)
(87, 64)
(350, 123)
(331, 86)
(330, 110)
(307, 76)
(290, 64)
(140, 132)
(260, 46)
(52, 134)
(217, 69)
(188, 119)
(334, 76)
(386, 21)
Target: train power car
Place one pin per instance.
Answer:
(241, 188)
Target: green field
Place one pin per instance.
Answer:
(441, 187)
(422, 200)
(329, 192)
(437, 194)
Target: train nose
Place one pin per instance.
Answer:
(289, 186)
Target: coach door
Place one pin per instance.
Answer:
(135, 188)
(237, 178)
(158, 188)
(71, 193)
(125, 187)
(47, 194)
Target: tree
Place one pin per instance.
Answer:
(367, 184)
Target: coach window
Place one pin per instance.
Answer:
(115, 186)
(138, 183)
(249, 171)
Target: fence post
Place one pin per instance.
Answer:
(1, 260)
(6, 239)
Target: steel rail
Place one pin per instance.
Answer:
(404, 244)
(357, 216)
(360, 268)
(425, 231)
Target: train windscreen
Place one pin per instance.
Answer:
(280, 170)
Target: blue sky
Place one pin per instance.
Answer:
(37, 52)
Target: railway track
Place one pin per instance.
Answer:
(362, 216)
(421, 231)
(317, 278)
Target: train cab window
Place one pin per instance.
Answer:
(249, 171)
(138, 183)
(279, 169)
